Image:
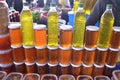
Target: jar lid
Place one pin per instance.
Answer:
(37, 47)
(64, 48)
(117, 29)
(77, 49)
(89, 49)
(92, 28)
(52, 48)
(41, 64)
(5, 51)
(39, 26)
(113, 49)
(102, 49)
(19, 46)
(66, 27)
(14, 25)
(27, 47)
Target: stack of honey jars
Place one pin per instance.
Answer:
(16, 45)
(6, 57)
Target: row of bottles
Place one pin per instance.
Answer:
(105, 31)
(88, 5)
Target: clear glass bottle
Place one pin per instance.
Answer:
(79, 27)
(26, 20)
(106, 25)
(52, 22)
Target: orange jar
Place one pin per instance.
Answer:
(15, 34)
(18, 53)
(4, 41)
(40, 35)
(53, 55)
(6, 56)
(30, 54)
(42, 55)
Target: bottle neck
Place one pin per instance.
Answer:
(26, 8)
(53, 9)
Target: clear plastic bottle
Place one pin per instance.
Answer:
(79, 28)
(106, 26)
(26, 20)
(52, 22)
(4, 20)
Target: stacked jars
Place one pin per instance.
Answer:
(6, 57)
(90, 45)
(113, 51)
(65, 48)
(16, 45)
(40, 41)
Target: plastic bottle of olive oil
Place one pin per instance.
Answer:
(26, 20)
(79, 27)
(52, 22)
(106, 24)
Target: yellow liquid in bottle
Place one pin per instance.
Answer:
(105, 30)
(88, 7)
(75, 8)
(27, 28)
(79, 29)
(53, 29)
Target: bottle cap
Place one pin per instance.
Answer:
(25, 4)
(109, 6)
(52, 4)
(81, 5)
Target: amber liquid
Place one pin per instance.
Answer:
(53, 70)
(91, 38)
(108, 70)
(97, 71)
(6, 57)
(30, 55)
(15, 37)
(64, 70)
(9, 68)
(76, 57)
(86, 70)
(75, 71)
(100, 57)
(42, 56)
(18, 54)
(112, 57)
(88, 57)
(115, 39)
(4, 42)
(21, 68)
(42, 69)
(31, 68)
(65, 56)
(40, 37)
(53, 56)
(65, 38)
